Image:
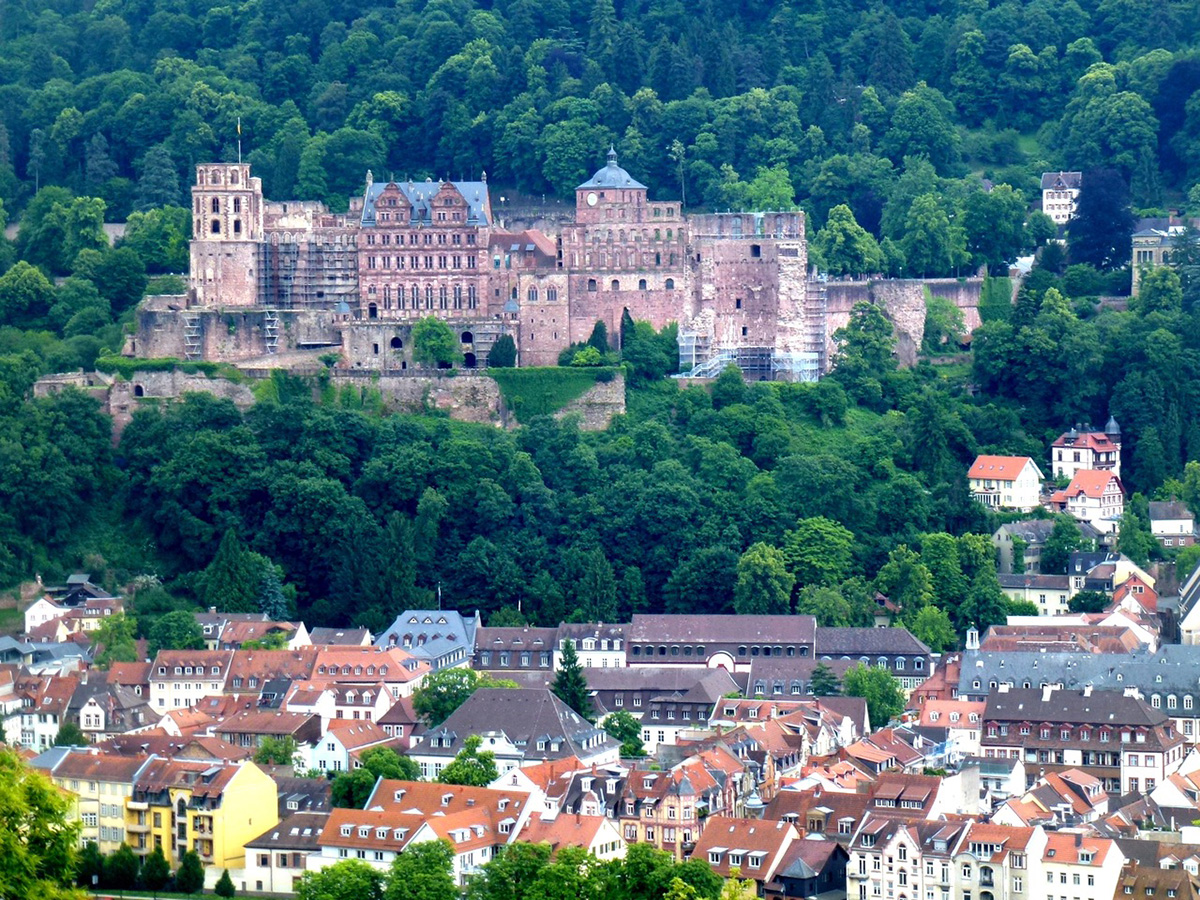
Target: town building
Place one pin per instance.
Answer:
(1006, 482)
(1095, 496)
(1172, 523)
(1082, 447)
(1119, 739)
(87, 604)
(1050, 593)
(277, 858)
(182, 678)
(443, 638)
(894, 649)
(520, 726)
(728, 642)
(1060, 192)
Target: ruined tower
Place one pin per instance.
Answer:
(227, 213)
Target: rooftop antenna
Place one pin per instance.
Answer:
(239, 140)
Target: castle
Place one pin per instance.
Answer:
(278, 283)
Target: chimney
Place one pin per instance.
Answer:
(1047, 693)
(212, 610)
(1087, 690)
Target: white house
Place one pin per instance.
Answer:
(342, 742)
(1095, 496)
(1082, 447)
(276, 859)
(1006, 482)
(1060, 191)
(1172, 523)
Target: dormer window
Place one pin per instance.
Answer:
(346, 830)
(364, 830)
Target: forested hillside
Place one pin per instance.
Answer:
(726, 103)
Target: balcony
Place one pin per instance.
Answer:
(137, 805)
(985, 878)
(137, 827)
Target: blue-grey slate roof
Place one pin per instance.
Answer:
(420, 195)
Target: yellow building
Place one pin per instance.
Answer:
(213, 808)
(100, 786)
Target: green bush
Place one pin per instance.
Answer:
(127, 368)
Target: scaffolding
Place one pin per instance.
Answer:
(756, 363)
(191, 336)
(271, 331)
(315, 273)
(816, 320)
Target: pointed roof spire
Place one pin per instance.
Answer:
(612, 156)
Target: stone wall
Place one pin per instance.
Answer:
(467, 398)
(598, 405)
(230, 335)
(903, 300)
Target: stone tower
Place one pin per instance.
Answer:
(227, 212)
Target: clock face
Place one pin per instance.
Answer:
(592, 198)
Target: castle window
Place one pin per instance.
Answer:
(216, 226)
(468, 337)
(416, 296)
(616, 285)
(237, 226)
(756, 250)
(233, 179)
(397, 344)
(670, 284)
(458, 296)
(551, 295)
(442, 297)
(373, 313)
(533, 294)
(216, 204)
(738, 303)
(471, 297)
(429, 296)
(591, 281)
(641, 284)
(237, 204)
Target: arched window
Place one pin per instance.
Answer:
(397, 344)
(592, 284)
(216, 226)
(442, 297)
(216, 204)
(551, 295)
(616, 285)
(139, 391)
(233, 177)
(670, 284)
(641, 284)
(468, 337)
(416, 296)
(372, 311)
(458, 296)
(429, 296)
(532, 295)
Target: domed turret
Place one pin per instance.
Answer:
(1112, 429)
(612, 176)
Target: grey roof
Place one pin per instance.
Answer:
(989, 766)
(523, 715)
(852, 641)
(659, 679)
(1074, 707)
(420, 195)
(1172, 668)
(1048, 582)
(1169, 509)
(1032, 531)
(612, 176)
(722, 629)
(299, 831)
(430, 633)
(579, 630)
(1061, 181)
(338, 636)
(516, 638)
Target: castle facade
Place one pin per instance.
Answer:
(272, 282)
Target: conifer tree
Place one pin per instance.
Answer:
(159, 184)
(824, 683)
(224, 887)
(190, 877)
(156, 871)
(233, 580)
(271, 600)
(569, 684)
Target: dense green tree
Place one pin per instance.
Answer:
(156, 871)
(115, 640)
(277, 751)
(224, 887)
(40, 840)
(865, 361)
(177, 630)
(471, 766)
(933, 627)
(570, 684)
(503, 354)
(764, 585)
(623, 727)
(884, 696)
(348, 879)
(844, 247)
(434, 344)
(233, 581)
(1064, 539)
(994, 222)
(1102, 223)
(824, 683)
(121, 868)
(818, 551)
(424, 871)
(189, 877)
(91, 865)
(70, 735)
(444, 691)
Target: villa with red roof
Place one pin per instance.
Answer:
(1006, 482)
(1095, 496)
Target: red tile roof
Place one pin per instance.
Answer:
(1002, 468)
(1091, 483)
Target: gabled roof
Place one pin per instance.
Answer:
(1164, 510)
(1001, 468)
(347, 637)
(855, 641)
(299, 831)
(1061, 181)
(1092, 483)
(421, 194)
